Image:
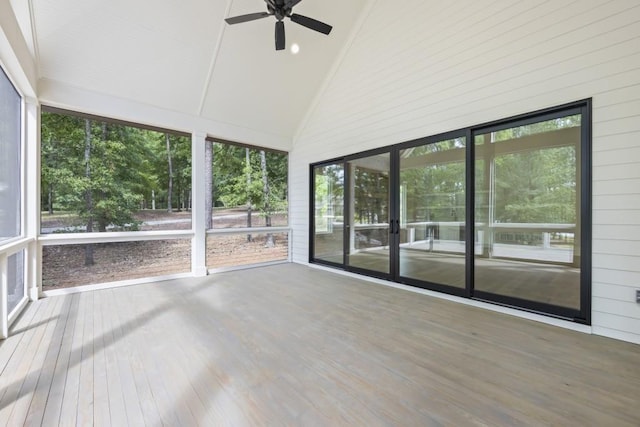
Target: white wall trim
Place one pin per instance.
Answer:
(31, 217)
(198, 209)
(111, 237)
(117, 284)
(4, 315)
(60, 95)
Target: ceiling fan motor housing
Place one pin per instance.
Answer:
(281, 9)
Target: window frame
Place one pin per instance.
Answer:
(584, 108)
(13, 245)
(211, 233)
(96, 237)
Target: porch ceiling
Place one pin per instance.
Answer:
(183, 57)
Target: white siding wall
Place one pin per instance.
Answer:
(417, 68)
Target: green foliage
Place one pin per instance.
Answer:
(435, 189)
(329, 195)
(534, 184)
(371, 201)
(236, 183)
(105, 177)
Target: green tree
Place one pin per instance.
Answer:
(104, 172)
(249, 177)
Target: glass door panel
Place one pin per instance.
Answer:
(328, 243)
(527, 203)
(369, 213)
(432, 213)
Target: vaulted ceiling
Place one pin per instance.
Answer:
(181, 55)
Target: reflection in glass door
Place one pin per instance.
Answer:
(432, 213)
(328, 224)
(369, 213)
(527, 194)
(498, 213)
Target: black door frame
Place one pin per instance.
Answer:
(392, 217)
(582, 315)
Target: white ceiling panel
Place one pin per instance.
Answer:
(152, 56)
(181, 55)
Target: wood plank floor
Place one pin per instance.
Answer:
(292, 345)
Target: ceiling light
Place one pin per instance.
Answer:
(295, 48)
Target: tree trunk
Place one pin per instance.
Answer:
(153, 200)
(208, 184)
(170, 190)
(51, 160)
(88, 197)
(247, 161)
(180, 201)
(50, 199)
(265, 192)
(103, 221)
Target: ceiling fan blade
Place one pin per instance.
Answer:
(271, 5)
(247, 18)
(280, 41)
(311, 23)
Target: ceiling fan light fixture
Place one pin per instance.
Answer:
(281, 9)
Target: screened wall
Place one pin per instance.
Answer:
(100, 177)
(247, 213)
(118, 203)
(13, 293)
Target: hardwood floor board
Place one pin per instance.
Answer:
(101, 396)
(206, 387)
(315, 341)
(153, 346)
(122, 386)
(361, 372)
(477, 361)
(293, 345)
(42, 395)
(69, 408)
(53, 407)
(176, 368)
(85, 397)
(564, 375)
(110, 317)
(186, 402)
(216, 382)
(223, 388)
(19, 343)
(17, 335)
(20, 334)
(22, 391)
(132, 362)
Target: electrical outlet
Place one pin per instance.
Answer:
(638, 296)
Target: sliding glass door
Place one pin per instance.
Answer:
(528, 224)
(327, 237)
(432, 202)
(499, 212)
(352, 215)
(368, 222)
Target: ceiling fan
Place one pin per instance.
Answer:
(282, 9)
